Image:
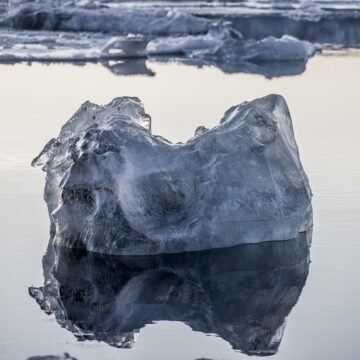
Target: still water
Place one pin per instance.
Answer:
(325, 105)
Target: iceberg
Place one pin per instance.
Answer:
(242, 294)
(113, 187)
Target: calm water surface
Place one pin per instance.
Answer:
(325, 106)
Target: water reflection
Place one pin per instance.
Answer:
(129, 67)
(268, 69)
(126, 67)
(243, 293)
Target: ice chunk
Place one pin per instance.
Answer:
(284, 49)
(129, 47)
(225, 45)
(115, 188)
(189, 44)
(243, 293)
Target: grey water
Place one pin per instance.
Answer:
(324, 103)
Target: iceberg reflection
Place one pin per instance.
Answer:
(242, 293)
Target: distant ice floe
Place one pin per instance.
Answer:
(220, 47)
(272, 39)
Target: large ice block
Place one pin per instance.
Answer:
(115, 188)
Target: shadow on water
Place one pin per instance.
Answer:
(269, 69)
(242, 294)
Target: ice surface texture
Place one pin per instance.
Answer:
(243, 293)
(115, 188)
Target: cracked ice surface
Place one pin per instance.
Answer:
(113, 187)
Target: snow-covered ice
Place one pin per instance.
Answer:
(115, 188)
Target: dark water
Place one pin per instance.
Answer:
(321, 318)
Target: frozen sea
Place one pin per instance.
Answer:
(324, 103)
